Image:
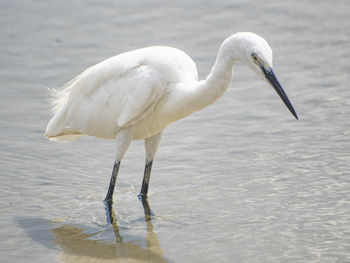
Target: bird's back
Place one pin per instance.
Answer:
(117, 92)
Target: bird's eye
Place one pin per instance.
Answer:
(254, 57)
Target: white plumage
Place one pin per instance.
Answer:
(135, 95)
(120, 92)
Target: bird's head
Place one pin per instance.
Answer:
(257, 54)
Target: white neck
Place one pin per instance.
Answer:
(213, 87)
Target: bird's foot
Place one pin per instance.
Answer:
(148, 213)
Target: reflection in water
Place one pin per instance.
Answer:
(77, 247)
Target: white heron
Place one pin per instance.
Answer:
(136, 94)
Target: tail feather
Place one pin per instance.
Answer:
(65, 137)
(56, 128)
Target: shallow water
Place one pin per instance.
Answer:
(244, 182)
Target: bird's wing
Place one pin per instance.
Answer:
(102, 101)
(145, 88)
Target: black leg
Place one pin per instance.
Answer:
(145, 182)
(109, 195)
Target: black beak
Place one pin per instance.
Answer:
(271, 77)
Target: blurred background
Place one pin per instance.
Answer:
(240, 181)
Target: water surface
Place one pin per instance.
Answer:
(240, 181)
